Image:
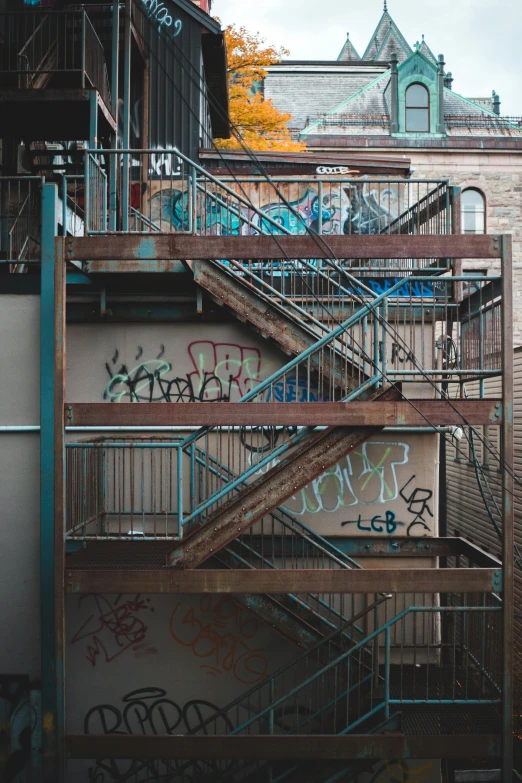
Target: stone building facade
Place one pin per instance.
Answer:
(399, 101)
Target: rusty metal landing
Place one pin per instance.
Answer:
(120, 556)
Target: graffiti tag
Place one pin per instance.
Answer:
(223, 636)
(115, 625)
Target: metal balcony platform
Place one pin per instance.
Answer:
(456, 720)
(112, 566)
(51, 114)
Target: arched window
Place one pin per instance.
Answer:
(473, 208)
(417, 109)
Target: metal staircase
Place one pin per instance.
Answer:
(310, 457)
(361, 690)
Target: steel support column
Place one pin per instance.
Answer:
(93, 119)
(113, 194)
(52, 488)
(508, 537)
(127, 43)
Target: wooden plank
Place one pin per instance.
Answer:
(315, 747)
(127, 249)
(385, 413)
(273, 581)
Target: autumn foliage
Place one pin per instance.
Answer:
(256, 120)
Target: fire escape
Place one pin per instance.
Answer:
(406, 663)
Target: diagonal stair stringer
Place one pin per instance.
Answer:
(309, 460)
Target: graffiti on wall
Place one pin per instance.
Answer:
(369, 476)
(20, 722)
(222, 635)
(366, 476)
(220, 372)
(417, 514)
(159, 12)
(351, 208)
(146, 710)
(115, 624)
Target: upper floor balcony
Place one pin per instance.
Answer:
(49, 63)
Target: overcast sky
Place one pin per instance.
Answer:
(480, 39)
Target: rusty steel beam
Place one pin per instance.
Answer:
(314, 747)
(381, 413)
(309, 460)
(133, 251)
(274, 581)
(270, 320)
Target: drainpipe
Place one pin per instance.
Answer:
(394, 86)
(441, 127)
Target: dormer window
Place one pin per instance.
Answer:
(417, 109)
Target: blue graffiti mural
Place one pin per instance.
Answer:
(351, 209)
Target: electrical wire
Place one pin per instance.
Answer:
(324, 245)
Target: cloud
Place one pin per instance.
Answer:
(479, 38)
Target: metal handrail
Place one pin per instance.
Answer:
(386, 701)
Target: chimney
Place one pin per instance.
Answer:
(496, 103)
(448, 80)
(203, 4)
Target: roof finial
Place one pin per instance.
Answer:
(385, 6)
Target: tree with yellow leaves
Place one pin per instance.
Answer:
(257, 121)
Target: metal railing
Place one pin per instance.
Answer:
(482, 121)
(382, 342)
(175, 194)
(37, 44)
(20, 220)
(133, 489)
(325, 691)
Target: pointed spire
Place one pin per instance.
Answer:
(348, 52)
(385, 29)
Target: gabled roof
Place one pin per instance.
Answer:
(369, 100)
(195, 11)
(348, 52)
(393, 42)
(381, 32)
(426, 51)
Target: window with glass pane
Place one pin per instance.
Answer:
(417, 109)
(473, 211)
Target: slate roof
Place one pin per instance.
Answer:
(426, 51)
(384, 29)
(305, 95)
(373, 101)
(392, 43)
(348, 53)
(358, 89)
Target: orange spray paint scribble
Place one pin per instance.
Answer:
(221, 634)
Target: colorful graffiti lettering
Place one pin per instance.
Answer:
(159, 12)
(20, 727)
(366, 476)
(114, 626)
(349, 209)
(222, 635)
(221, 372)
